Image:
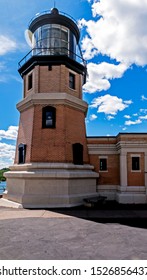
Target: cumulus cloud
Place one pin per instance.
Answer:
(127, 116)
(133, 122)
(109, 117)
(6, 45)
(87, 45)
(143, 111)
(143, 98)
(100, 74)
(143, 117)
(10, 134)
(109, 105)
(93, 117)
(118, 30)
(7, 153)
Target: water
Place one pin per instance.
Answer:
(2, 187)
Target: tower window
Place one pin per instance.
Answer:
(77, 153)
(21, 153)
(30, 81)
(71, 80)
(135, 163)
(103, 164)
(50, 68)
(48, 117)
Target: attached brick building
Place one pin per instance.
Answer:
(121, 162)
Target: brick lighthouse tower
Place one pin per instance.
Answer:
(51, 167)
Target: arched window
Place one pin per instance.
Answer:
(48, 117)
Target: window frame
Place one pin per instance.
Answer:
(21, 153)
(72, 81)
(135, 166)
(104, 166)
(52, 111)
(30, 81)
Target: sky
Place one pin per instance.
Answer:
(114, 44)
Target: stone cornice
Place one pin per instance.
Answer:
(139, 145)
(52, 99)
(102, 149)
(50, 165)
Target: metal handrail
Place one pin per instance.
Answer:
(51, 52)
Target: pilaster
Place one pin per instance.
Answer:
(123, 169)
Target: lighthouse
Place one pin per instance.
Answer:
(51, 167)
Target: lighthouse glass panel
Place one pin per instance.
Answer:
(52, 39)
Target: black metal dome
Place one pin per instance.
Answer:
(54, 17)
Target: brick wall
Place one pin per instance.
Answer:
(111, 176)
(56, 80)
(49, 144)
(25, 132)
(135, 178)
(55, 145)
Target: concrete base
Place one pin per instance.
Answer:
(50, 185)
(107, 190)
(9, 204)
(131, 195)
(124, 195)
(131, 198)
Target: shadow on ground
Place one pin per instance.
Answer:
(133, 215)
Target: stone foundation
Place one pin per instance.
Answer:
(50, 185)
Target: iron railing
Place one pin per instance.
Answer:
(52, 52)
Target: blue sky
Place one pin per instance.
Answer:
(114, 43)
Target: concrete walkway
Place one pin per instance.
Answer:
(68, 234)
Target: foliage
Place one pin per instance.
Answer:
(2, 178)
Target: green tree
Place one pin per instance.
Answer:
(2, 178)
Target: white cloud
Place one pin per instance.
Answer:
(6, 45)
(143, 98)
(127, 116)
(87, 45)
(92, 117)
(109, 117)
(7, 153)
(119, 31)
(10, 134)
(143, 117)
(133, 122)
(110, 105)
(100, 74)
(143, 111)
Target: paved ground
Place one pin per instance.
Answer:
(71, 233)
